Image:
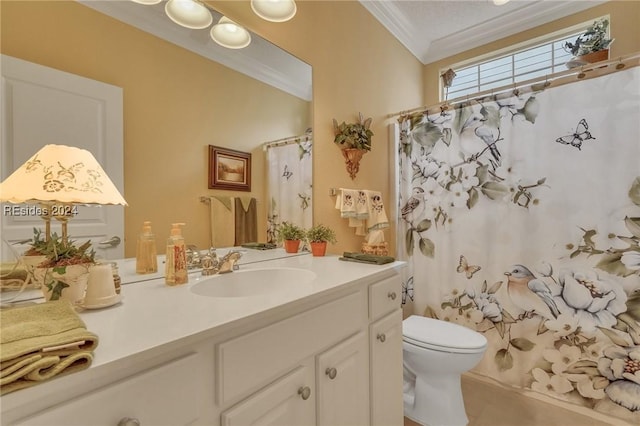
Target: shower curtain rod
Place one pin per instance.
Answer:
(286, 141)
(536, 84)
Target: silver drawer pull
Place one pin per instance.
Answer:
(382, 337)
(128, 421)
(331, 372)
(304, 392)
(392, 295)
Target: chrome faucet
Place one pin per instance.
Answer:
(228, 262)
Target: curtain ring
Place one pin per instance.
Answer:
(582, 74)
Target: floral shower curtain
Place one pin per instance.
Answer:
(289, 186)
(520, 218)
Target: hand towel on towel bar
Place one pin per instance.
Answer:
(222, 221)
(42, 341)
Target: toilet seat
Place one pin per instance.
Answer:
(441, 336)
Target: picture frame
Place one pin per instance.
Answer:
(229, 169)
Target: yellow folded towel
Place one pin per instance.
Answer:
(42, 341)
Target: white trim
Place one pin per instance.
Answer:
(527, 17)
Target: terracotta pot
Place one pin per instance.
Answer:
(70, 285)
(291, 246)
(600, 55)
(318, 248)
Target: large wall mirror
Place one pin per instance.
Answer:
(181, 93)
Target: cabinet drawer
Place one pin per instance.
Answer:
(384, 297)
(252, 360)
(165, 395)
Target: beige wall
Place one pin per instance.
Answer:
(624, 27)
(357, 67)
(176, 103)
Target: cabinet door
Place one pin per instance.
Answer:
(289, 401)
(386, 370)
(343, 383)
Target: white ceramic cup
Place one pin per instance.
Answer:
(100, 286)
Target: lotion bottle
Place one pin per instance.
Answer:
(176, 259)
(146, 252)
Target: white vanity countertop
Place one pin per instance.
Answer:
(152, 314)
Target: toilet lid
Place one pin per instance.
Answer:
(441, 335)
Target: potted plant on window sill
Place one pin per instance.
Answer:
(65, 270)
(291, 235)
(590, 46)
(355, 140)
(318, 237)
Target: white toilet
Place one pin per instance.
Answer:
(435, 354)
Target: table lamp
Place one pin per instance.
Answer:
(59, 177)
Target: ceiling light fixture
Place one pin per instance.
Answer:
(149, 2)
(229, 34)
(274, 10)
(500, 2)
(188, 13)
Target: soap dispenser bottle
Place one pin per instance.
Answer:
(146, 252)
(176, 259)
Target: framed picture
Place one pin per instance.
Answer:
(229, 169)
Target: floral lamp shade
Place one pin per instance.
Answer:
(61, 174)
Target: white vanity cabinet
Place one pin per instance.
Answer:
(332, 358)
(385, 346)
(169, 394)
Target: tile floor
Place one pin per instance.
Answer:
(492, 405)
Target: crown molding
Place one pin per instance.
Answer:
(524, 18)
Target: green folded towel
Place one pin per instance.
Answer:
(366, 258)
(259, 246)
(42, 341)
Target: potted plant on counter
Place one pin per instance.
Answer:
(65, 270)
(318, 237)
(355, 140)
(291, 235)
(590, 46)
(34, 255)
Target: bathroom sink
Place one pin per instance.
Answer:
(256, 283)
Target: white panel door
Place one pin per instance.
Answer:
(41, 106)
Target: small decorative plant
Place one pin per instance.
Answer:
(62, 253)
(321, 233)
(291, 235)
(592, 40)
(65, 267)
(37, 245)
(353, 135)
(318, 237)
(289, 231)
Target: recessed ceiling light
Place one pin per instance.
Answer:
(229, 34)
(274, 10)
(188, 13)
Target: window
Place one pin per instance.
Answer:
(523, 62)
